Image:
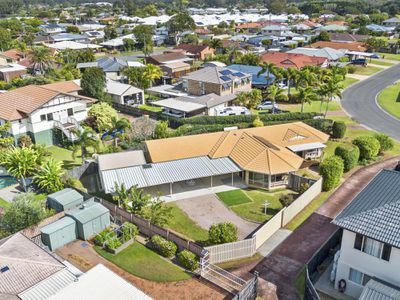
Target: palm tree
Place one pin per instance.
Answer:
(306, 95)
(151, 73)
(233, 53)
(290, 74)
(41, 59)
(215, 44)
(333, 89)
(267, 68)
(274, 92)
(86, 138)
(48, 177)
(119, 125)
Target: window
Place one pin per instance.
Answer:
(50, 117)
(372, 247)
(358, 277)
(43, 118)
(70, 112)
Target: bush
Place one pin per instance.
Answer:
(75, 183)
(331, 170)
(385, 142)
(350, 156)
(164, 247)
(188, 260)
(303, 187)
(113, 243)
(102, 236)
(338, 130)
(129, 231)
(324, 125)
(286, 199)
(351, 69)
(222, 233)
(257, 122)
(368, 145)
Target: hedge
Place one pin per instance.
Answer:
(338, 130)
(368, 145)
(331, 170)
(164, 247)
(222, 233)
(188, 260)
(324, 125)
(350, 156)
(386, 143)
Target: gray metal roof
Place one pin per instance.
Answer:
(375, 211)
(167, 172)
(375, 290)
(90, 212)
(66, 196)
(57, 225)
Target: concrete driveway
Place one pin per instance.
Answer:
(206, 210)
(359, 101)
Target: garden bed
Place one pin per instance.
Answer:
(120, 248)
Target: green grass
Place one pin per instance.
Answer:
(369, 70)
(381, 62)
(238, 262)
(65, 156)
(254, 210)
(314, 106)
(388, 100)
(4, 203)
(182, 224)
(300, 283)
(151, 108)
(234, 197)
(144, 263)
(331, 146)
(390, 56)
(349, 81)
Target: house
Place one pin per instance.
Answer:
(94, 35)
(329, 53)
(64, 45)
(10, 71)
(62, 37)
(220, 81)
(259, 81)
(370, 247)
(38, 110)
(112, 65)
(252, 27)
(277, 30)
(293, 60)
(52, 28)
(174, 64)
(202, 52)
(380, 28)
(260, 156)
(349, 46)
(118, 42)
(392, 22)
(203, 33)
(332, 28)
(11, 56)
(347, 37)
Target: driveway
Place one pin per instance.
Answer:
(359, 102)
(208, 209)
(285, 262)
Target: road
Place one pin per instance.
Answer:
(359, 102)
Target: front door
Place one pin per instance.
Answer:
(61, 116)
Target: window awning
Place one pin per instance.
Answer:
(307, 146)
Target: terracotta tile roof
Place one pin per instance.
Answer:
(166, 57)
(63, 86)
(249, 25)
(193, 49)
(260, 149)
(351, 46)
(19, 103)
(286, 60)
(15, 54)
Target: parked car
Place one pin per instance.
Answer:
(276, 111)
(359, 62)
(282, 86)
(232, 111)
(266, 105)
(375, 56)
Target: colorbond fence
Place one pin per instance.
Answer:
(268, 229)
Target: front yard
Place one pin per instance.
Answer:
(389, 100)
(314, 106)
(140, 261)
(367, 71)
(249, 204)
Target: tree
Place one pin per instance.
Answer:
(23, 212)
(72, 29)
(151, 73)
(268, 68)
(374, 44)
(305, 95)
(338, 129)
(134, 76)
(110, 33)
(249, 99)
(368, 145)
(192, 39)
(386, 143)
(162, 130)
(86, 139)
(276, 6)
(103, 115)
(41, 59)
(290, 74)
(273, 93)
(331, 170)
(133, 200)
(93, 82)
(5, 39)
(324, 36)
(222, 233)
(49, 175)
(144, 38)
(233, 53)
(248, 59)
(6, 139)
(180, 22)
(332, 89)
(350, 156)
(157, 212)
(215, 44)
(128, 45)
(120, 125)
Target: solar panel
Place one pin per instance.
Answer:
(238, 74)
(225, 72)
(225, 78)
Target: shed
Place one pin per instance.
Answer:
(91, 218)
(59, 233)
(64, 199)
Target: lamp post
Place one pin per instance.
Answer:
(266, 203)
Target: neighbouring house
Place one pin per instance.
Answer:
(94, 35)
(38, 110)
(262, 157)
(349, 46)
(220, 81)
(332, 28)
(112, 65)
(330, 54)
(277, 30)
(203, 33)
(11, 56)
(202, 52)
(173, 64)
(252, 27)
(10, 71)
(117, 43)
(293, 60)
(369, 258)
(71, 37)
(260, 81)
(392, 22)
(52, 28)
(347, 37)
(72, 45)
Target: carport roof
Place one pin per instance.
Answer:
(168, 172)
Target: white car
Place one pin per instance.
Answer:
(266, 105)
(282, 86)
(232, 111)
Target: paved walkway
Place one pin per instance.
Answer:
(274, 241)
(283, 265)
(208, 209)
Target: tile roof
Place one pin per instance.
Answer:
(13, 53)
(219, 75)
(167, 57)
(64, 86)
(193, 49)
(347, 37)
(329, 53)
(294, 60)
(351, 46)
(375, 211)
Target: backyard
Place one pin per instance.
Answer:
(249, 204)
(142, 262)
(65, 156)
(389, 100)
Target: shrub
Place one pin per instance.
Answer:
(338, 130)
(113, 243)
(331, 170)
(368, 145)
(222, 233)
(257, 122)
(325, 125)
(286, 199)
(24, 141)
(351, 69)
(129, 231)
(350, 156)
(303, 187)
(164, 247)
(386, 143)
(75, 183)
(102, 236)
(188, 260)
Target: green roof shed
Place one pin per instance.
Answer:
(64, 200)
(91, 218)
(59, 233)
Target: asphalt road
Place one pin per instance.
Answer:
(359, 101)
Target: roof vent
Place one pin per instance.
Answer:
(147, 166)
(4, 269)
(83, 206)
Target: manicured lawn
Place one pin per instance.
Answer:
(238, 262)
(331, 146)
(144, 263)
(181, 223)
(349, 81)
(65, 156)
(151, 108)
(390, 56)
(4, 203)
(388, 100)
(300, 283)
(367, 70)
(234, 197)
(254, 210)
(381, 62)
(314, 106)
